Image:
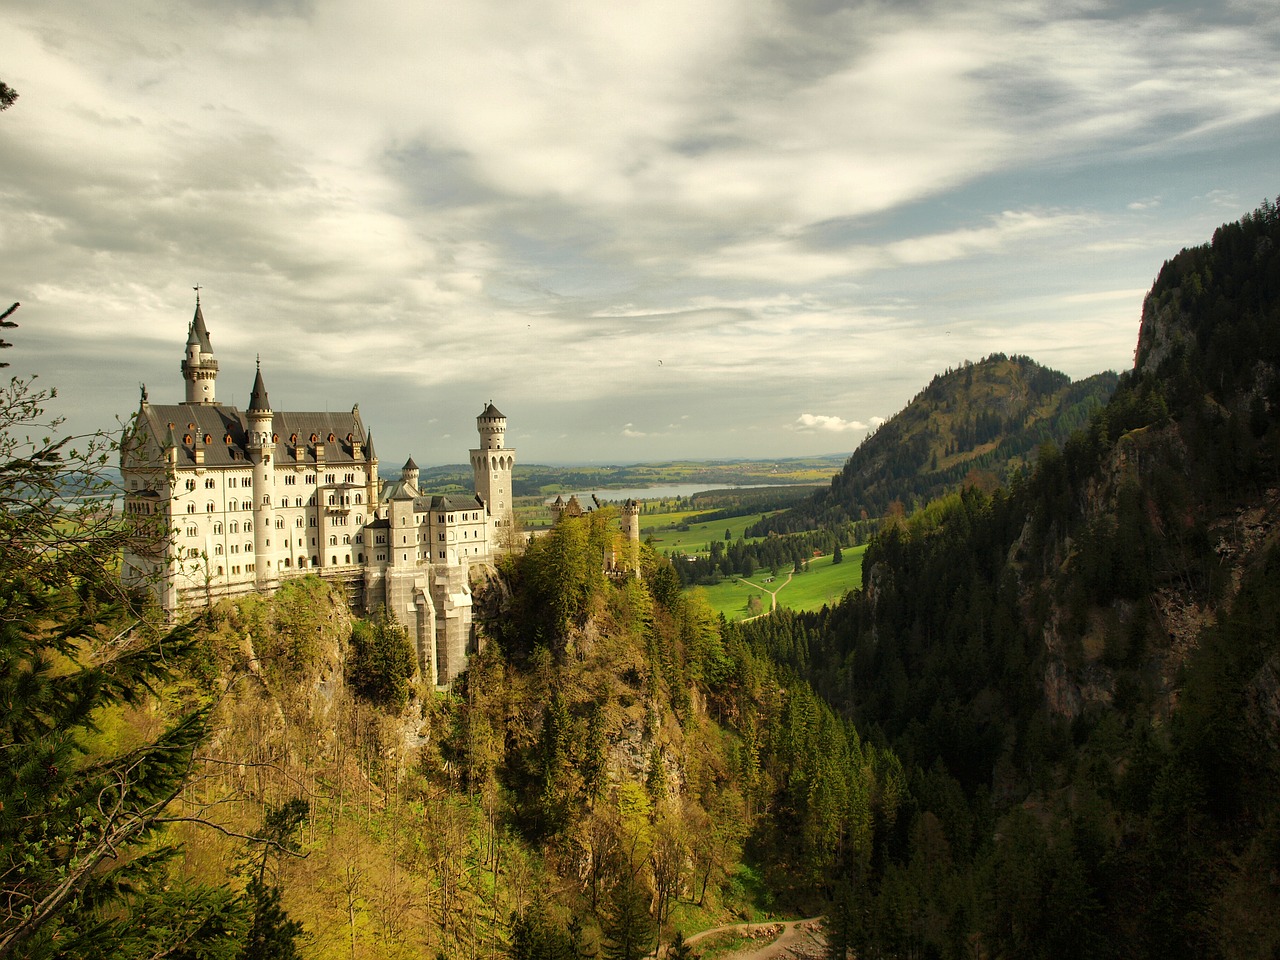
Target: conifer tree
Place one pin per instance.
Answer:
(82, 862)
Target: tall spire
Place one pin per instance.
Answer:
(258, 396)
(199, 367)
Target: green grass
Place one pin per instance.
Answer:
(697, 539)
(824, 583)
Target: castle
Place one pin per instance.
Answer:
(248, 499)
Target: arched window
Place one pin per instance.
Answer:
(217, 528)
(191, 508)
(279, 523)
(266, 499)
(248, 526)
(208, 507)
(359, 499)
(233, 527)
(233, 505)
(217, 549)
(333, 541)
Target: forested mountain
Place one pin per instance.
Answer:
(975, 423)
(1081, 671)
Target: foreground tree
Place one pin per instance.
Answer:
(82, 861)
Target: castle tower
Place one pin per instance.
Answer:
(199, 368)
(409, 474)
(630, 523)
(261, 447)
(371, 490)
(492, 465)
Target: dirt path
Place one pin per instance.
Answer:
(773, 594)
(799, 940)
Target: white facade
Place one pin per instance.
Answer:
(251, 498)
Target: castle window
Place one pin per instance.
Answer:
(191, 531)
(192, 553)
(332, 437)
(441, 554)
(333, 560)
(208, 439)
(380, 538)
(331, 499)
(311, 521)
(235, 548)
(380, 556)
(284, 502)
(287, 562)
(279, 523)
(208, 483)
(266, 500)
(248, 526)
(440, 535)
(333, 541)
(249, 568)
(359, 538)
(217, 528)
(315, 561)
(297, 501)
(233, 482)
(347, 558)
(290, 479)
(186, 438)
(233, 505)
(227, 439)
(359, 499)
(329, 477)
(219, 570)
(298, 522)
(191, 484)
(359, 519)
(359, 558)
(346, 538)
(208, 507)
(350, 477)
(275, 438)
(233, 527)
(440, 518)
(248, 548)
(302, 563)
(217, 549)
(191, 508)
(310, 478)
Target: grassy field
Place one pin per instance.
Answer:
(697, 539)
(823, 583)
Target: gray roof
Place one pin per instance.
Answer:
(199, 332)
(226, 428)
(492, 413)
(258, 395)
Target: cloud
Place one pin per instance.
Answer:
(822, 423)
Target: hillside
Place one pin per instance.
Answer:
(970, 424)
(1082, 672)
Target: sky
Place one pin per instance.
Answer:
(650, 230)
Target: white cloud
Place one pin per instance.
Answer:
(817, 422)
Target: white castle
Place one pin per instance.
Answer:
(251, 498)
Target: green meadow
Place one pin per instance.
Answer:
(661, 527)
(824, 583)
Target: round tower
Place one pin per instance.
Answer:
(199, 368)
(262, 448)
(492, 464)
(630, 524)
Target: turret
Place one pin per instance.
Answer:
(409, 474)
(199, 368)
(261, 447)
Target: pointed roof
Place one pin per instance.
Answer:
(410, 465)
(199, 332)
(368, 447)
(492, 413)
(258, 395)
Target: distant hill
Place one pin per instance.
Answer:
(975, 422)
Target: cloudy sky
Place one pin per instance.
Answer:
(645, 230)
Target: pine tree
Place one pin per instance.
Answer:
(82, 859)
(628, 928)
